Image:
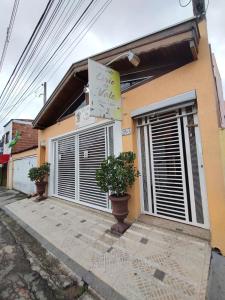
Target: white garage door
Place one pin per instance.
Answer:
(21, 182)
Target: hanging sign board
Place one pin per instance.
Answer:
(83, 118)
(104, 91)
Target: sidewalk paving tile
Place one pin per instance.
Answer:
(147, 262)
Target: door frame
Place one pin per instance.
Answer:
(117, 144)
(206, 224)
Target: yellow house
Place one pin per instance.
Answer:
(171, 118)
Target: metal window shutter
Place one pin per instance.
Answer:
(93, 145)
(66, 167)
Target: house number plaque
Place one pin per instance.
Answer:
(126, 131)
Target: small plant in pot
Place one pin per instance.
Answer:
(38, 175)
(115, 176)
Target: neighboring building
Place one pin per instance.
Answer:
(29, 136)
(17, 160)
(21, 163)
(171, 119)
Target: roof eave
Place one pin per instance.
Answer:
(105, 56)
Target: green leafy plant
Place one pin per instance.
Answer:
(116, 174)
(15, 140)
(37, 174)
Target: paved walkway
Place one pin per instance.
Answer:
(147, 262)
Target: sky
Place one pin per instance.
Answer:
(122, 21)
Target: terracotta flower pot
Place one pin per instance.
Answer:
(120, 212)
(40, 190)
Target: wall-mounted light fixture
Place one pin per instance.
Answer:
(132, 57)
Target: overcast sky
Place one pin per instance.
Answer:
(121, 22)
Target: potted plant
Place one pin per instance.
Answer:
(115, 175)
(38, 175)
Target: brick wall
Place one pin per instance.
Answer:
(29, 137)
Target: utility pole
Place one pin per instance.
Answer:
(45, 93)
(199, 8)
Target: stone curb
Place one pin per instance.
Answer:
(102, 288)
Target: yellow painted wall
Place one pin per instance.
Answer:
(222, 145)
(193, 76)
(59, 128)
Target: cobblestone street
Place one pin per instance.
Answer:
(27, 271)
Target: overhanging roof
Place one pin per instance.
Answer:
(159, 52)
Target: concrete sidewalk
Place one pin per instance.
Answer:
(147, 262)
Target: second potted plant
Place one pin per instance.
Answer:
(38, 175)
(115, 175)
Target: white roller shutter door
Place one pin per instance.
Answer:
(21, 181)
(92, 151)
(77, 157)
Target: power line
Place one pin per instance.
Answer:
(55, 38)
(9, 32)
(60, 45)
(4, 102)
(60, 53)
(31, 93)
(30, 100)
(186, 4)
(29, 44)
(20, 100)
(27, 59)
(90, 24)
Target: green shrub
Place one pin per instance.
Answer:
(38, 174)
(116, 174)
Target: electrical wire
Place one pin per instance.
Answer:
(81, 93)
(9, 32)
(106, 4)
(28, 59)
(52, 54)
(55, 38)
(31, 93)
(29, 99)
(61, 55)
(65, 55)
(28, 45)
(89, 5)
(184, 5)
(19, 101)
